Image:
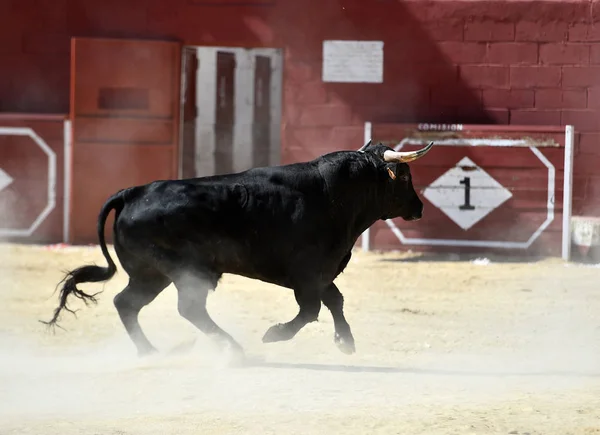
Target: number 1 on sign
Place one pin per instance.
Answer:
(467, 205)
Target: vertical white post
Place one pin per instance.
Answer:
(366, 235)
(243, 107)
(567, 192)
(206, 102)
(182, 89)
(67, 150)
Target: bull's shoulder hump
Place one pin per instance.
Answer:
(289, 176)
(343, 166)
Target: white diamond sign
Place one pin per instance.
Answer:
(466, 193)
(5, 180)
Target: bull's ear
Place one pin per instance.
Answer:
(391, 173)
(365, 146)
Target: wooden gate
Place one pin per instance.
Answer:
(125, 119)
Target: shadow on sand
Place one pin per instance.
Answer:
(415, 371)
(463, 258)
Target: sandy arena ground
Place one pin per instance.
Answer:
(443, 346)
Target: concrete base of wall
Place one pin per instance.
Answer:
(585, 237)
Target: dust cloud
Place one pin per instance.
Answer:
(443, 346)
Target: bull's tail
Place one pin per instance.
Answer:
(89, 273)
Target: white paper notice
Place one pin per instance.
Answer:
(353, 61)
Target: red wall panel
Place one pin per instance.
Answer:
(25, 162)
(124, 101)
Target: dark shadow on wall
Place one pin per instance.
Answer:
(420, 82)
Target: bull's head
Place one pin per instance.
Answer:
(401, 200)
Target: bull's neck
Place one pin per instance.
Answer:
(359, 206)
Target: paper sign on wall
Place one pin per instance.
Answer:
(353, 61)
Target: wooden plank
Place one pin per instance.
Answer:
(514, 234)
(548, 243)
(123, 130)
(486, 157)
(464, 128)
(29, 118)
(438, 223)
(552, 136)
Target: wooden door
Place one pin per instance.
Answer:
(261, 123)
(125, 120)
(224, 112)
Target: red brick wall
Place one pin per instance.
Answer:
(516, 62)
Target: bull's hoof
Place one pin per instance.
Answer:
(279, 332)
(235, 357)
(345, 344)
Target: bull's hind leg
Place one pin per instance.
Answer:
(310, 305)
(192, 294)
(139, 293)
(334, 301)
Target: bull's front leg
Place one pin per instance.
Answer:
(309, 302)
(334, 301)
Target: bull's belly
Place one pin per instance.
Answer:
(298, 265)
(252, 264)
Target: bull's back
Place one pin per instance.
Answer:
(253, 224)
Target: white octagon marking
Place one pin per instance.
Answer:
(25, 131)
(484, 243)
(5, 180)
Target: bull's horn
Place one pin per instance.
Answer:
(407, 156)
(365, 146)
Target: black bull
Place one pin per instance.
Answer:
(293, 226)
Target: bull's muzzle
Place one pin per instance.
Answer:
(415, 213)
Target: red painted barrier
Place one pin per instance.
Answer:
(32, 178)
(484, 188)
